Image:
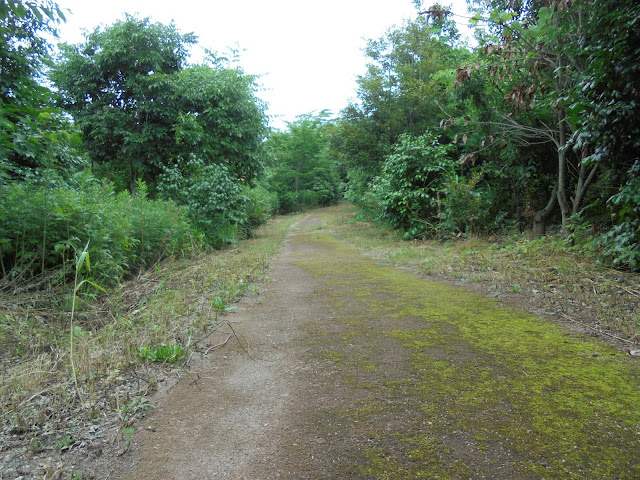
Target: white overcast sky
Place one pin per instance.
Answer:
(308, 53)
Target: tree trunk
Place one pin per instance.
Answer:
(584, 181)
(540, 218)
(562, 173)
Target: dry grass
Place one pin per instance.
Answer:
(542, 275)
(174, 303)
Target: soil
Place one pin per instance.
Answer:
(307, 387)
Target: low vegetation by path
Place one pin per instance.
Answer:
(125, 343)
(566, 285)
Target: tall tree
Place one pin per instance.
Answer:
(529, 62)
(110, 84)
(31, 132)
(408, 80)
(218, 118)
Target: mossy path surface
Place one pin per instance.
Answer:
(388, 376)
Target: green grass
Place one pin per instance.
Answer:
(150, 323)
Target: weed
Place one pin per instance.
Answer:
(64, 444)
(164, 353)
(128, 434)
(218, 303)
(127, 411)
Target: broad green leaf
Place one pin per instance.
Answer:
(83, 259)
(506, 16)
(544, 15)
(475, 19)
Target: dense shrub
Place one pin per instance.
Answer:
(469, 206)
(213, 198)
(42, 225)
(261, 204)
(358, 190)
(409, 189)
(623, 240)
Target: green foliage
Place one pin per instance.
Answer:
(408, 82)
(163, 353)
(32, 133)
(141, 109)
(110, 84)
(623, 240)
(604, 104)
(409, 189)
(301, 171)
(359, 191)
(219, 118)
(547, 106)
(213, 198)
(40, 227)
(260, 205)
(469, 205)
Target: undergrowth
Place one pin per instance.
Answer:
(120, 340)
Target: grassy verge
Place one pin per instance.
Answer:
(121, 342)
(541, 275)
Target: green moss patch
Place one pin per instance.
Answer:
(450, 384)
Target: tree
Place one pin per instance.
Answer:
(606, 108)
(300, 170)
(408, 81)
(110, 85)
(142, 109)
(529, 62)
(218, 118)
(32, 133)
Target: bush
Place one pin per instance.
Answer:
(623, 240)
(40, 226)
(469, 207)
(409, 189)
(213, 198)
(260, 206)
(359, 190)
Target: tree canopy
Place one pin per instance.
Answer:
(142, 108)
(542, 117)
(32, 133)
(300, 169)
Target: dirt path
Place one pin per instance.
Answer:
(350, 369)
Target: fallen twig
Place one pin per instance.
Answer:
(597, 330)
(222, 344)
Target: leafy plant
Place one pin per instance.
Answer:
(40, 226)
(213, 198)
(623, 240)
(163, 353)
(64, 443)
(409, 189)
(128, 433)
(468, 206)
(83, 263)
